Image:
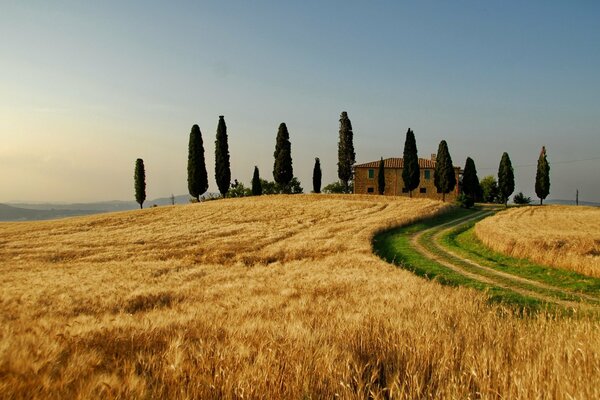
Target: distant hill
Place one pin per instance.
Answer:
(42, 211)
(10, 213)
(572, 202)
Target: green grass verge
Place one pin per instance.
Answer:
(394, 246)
(462, 240)
(430, 242)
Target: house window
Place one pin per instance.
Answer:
(427, 174)
(423, 190)
(404, 190)
(370, 190)
(371, 173)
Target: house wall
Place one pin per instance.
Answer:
(394, 183)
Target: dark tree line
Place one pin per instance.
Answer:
(488, 190)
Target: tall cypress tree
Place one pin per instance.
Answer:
(282, 168)
(222, 168)
(196, 168)
(139, 178)
(410, 170)
(506, 178)
(317, 176)
(346, 155)
(381, 177)
(444, 177)
(256, 185)
(542, 176)
(470, 182)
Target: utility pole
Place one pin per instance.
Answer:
(577, 197)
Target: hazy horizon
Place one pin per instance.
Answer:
(89, 88)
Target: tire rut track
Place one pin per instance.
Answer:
(440, 259)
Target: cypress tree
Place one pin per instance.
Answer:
(410, 171)
(139, 178)
(506, 178)
(317, 176)
(444, 177)
(542, 176)
(346, 155)
(470, 182)
(222, 168)
(282, 168)
(256, 185)
(196, 168)
(381, 177)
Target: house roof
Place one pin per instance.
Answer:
(396, 163)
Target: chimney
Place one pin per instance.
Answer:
(433, 155)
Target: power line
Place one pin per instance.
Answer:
(551, 163)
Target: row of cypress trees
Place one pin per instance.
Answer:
(283, 172)
(506, 179)
(444, 176)
(444, 173)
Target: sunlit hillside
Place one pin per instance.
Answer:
(271, 297)
(560, 236)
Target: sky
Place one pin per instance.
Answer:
(86, 88)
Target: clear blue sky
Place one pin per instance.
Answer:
(88, 87)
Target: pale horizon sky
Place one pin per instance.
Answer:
(88, 87)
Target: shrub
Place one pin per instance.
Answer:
(520, 198)
(465, 201)
(338, 187)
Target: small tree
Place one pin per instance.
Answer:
(294, 187)
(222, 167)
(346, 154)
(470, 181)
(506, 179)
(256, 185)
(410, 171)
(139, 178)
(520, 198)
(317, 176)
(282, 169)
(489, 189)
(336, 187)
(238, 189)
(381, 177)
(444, 176)
(196, 168)
(542, 176)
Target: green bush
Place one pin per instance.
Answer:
(465, 201)
(520, 198)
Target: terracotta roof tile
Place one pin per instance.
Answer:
(397, 163)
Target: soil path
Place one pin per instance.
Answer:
(434, 251)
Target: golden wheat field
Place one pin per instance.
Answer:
(559, 236)
(276, 297)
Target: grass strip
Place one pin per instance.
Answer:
(394, 246)
(462, 240)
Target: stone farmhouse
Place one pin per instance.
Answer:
(365, 179)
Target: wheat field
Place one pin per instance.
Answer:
(560, 236)
(276, 297)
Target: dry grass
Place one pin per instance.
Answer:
(559, 236)
(275, 297)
